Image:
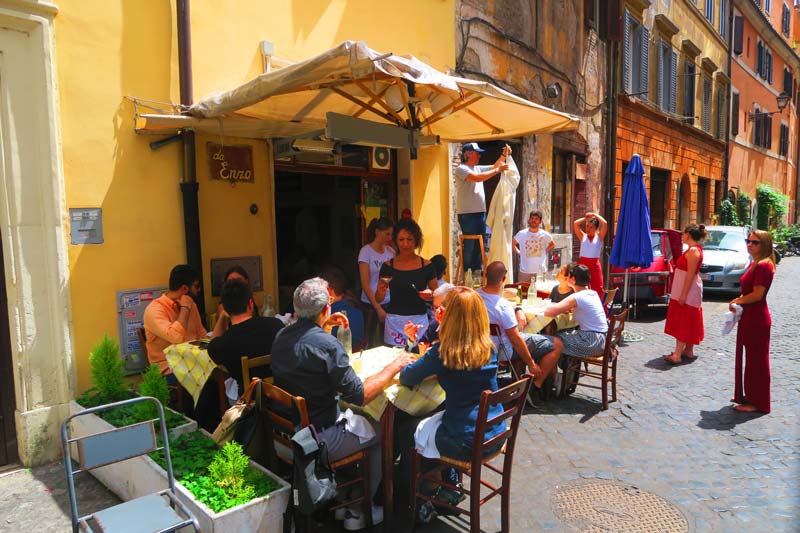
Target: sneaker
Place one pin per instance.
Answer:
(340, 514)
(426, 513)
(354, 518)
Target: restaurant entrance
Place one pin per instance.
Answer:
(8, 435)
(321, 215)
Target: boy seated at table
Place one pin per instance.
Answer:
(587, 310)
(562, 290)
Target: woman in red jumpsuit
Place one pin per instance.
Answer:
(752, 336)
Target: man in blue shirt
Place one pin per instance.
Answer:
(308, 361)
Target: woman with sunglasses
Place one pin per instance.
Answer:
(752, 336)
(685, 311)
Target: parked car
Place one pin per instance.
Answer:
(652, 284)
(725, 259)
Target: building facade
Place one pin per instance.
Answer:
(764, 70)
(551, 53)
(672, 105)
(70, 152)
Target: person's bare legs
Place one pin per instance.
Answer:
(688, 352)
(548, 362)
(675, 358)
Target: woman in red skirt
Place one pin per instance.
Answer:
(592, 248)
(752, 336)
(685, 311)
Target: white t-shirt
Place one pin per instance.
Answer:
(375, 261)
(501, 312)
(591, 249)
(470, 197)
(589, 313)
(532, 250)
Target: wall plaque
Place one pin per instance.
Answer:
(233, 163)
(86, 225)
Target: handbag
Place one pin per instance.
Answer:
(244, 423)
(225, 429)
(313, 481)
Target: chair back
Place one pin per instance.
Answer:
(512, 398)
(608, 300)
(253, 362)
(495, 330)
(112, 446)
(616, 324)
(283, 428)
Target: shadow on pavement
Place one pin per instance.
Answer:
(571, 405)
(660, 364)
(725, 419)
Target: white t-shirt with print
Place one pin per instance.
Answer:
(532, 250)
(375, 261)
(501, 312)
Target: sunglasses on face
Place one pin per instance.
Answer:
(752, 242)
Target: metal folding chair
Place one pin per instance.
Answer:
(161, 511)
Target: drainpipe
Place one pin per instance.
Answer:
(612, 48)
(727, 156)
(189, 185)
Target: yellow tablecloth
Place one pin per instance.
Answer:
(537, 321)
(419, 400)
(191, 365)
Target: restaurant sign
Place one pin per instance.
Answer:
(233, 163)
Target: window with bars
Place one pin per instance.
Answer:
(667, 87)
(786, 17)
(710, 11)
(689, 71)
(783, 144)
(706, 105)
(635, 57)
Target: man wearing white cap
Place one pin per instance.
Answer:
(471, 199)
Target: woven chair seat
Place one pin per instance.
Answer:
(467, 465)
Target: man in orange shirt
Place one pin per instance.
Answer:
(173, 317)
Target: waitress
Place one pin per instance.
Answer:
(592, 247)
(408, 277)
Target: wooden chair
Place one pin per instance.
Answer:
(505, 360)
(608, 300)
(283, 429)
(512, 398)
(249, 363)
(607, 361)
(159, 511)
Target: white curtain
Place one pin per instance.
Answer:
(500, 217)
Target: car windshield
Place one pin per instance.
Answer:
(655, 238)
(725, 240)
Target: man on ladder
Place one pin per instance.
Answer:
(471, 200)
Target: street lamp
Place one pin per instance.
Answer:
(782, 101)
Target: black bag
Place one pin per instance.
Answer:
(313, 481)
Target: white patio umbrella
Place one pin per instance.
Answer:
(500, 217)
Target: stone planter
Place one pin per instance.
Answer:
(141, 475)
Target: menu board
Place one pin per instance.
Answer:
(130, 317)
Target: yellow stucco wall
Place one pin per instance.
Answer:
(109, 50)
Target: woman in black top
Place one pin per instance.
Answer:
(407, 276)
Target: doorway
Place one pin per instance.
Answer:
(8, 432)
(319, 221)
(658, 197)
(684, 202)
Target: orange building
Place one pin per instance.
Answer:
(672, 106)
(764, 69)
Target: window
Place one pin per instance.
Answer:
(764, 61)
(706, 105)
(786, 17)
(723, 18)
(738, 34)
(787, 81)
(719, 115)
(636, 57)
(734, 114)
(689, 71)
(667, 77)
(710, 11)
(762, 128)
(783, 144)
(767, 6)
(702, 199)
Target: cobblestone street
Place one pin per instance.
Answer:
(672, 433)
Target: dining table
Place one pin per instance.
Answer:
(420, 400)
(539, 323)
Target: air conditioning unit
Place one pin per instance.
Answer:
(381, 158)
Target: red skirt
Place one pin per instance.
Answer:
(595, 273)
(684, 323)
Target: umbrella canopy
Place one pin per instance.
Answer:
(632, 245)
(355, 81)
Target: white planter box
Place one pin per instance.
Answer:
(141, 475)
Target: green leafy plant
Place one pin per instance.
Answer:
(784, 233)
(728, 215)
(743, 205)
(221, 479)
(153, 384)
(772, 205)
(107, 371)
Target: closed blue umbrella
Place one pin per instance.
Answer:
(632, 245)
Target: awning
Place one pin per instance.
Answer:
(353, 80)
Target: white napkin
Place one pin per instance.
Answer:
(288, 319)
(358, 426)
(731, 319)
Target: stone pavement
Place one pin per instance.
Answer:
(672, 433)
